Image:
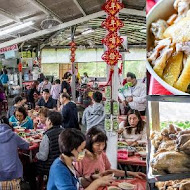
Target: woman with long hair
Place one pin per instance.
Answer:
(133, 128)
(95, 160)
(65, 86)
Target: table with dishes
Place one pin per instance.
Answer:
(129, 156)
(127, 184)
(135, 160)
(32, 136)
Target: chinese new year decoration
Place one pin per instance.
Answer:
(20, 67)
(111, 56)
(112, 7)
(73, 49)
(112, 24)
(112, 40)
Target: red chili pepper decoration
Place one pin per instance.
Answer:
(73, 49)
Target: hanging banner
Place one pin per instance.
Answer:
(112, 40)
(9, 48)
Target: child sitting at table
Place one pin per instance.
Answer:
(21, 118)
(95, 159)
(41, 119)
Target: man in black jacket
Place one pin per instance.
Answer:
(69, 112)
(49, 148)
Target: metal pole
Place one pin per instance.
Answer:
(20, 80)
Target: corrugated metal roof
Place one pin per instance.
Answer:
(15, 12)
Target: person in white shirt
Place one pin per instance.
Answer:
(44, 85)
(134, 97)
(85, 79)
(56, 90)
(133, 129)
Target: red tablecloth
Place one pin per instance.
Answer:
(140, 184)
(133, 160)
(34, 146)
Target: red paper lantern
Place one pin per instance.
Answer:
(72, 44)
(112, 7)
(20, 67)
(73, 49)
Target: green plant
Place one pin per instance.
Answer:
(181, 124)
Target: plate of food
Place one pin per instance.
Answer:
(30, 139)
(113, 188)
(122, 144)
(168, 45)
(142, 154)
(126, 186)
(36, 141)
(20, 129)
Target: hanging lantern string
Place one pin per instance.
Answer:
(112, 40)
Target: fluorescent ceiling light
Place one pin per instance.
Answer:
(87, 31)
(75, 37)
(15, 28)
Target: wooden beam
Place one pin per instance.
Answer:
(45, 9)
(64, 25)
(155, 116)
(53, 29)
(9, 15)
(133, 12)
(14, 18)
(50, 38)
(79, 7)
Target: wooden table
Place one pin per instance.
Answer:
(139, 183)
